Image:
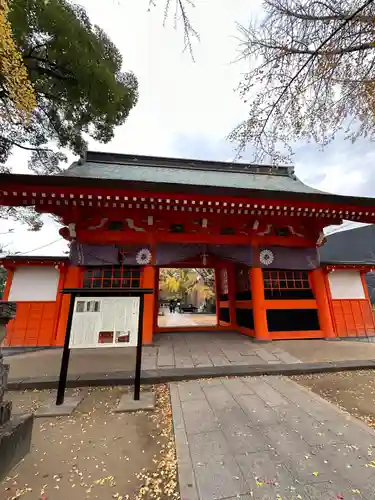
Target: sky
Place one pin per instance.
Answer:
(186, 108)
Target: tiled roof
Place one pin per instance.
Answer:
(187, 172)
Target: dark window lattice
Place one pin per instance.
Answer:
(112, 277)
(280, 284)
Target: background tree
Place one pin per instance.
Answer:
(207, 275)
(3, 274)
(3, 280)
(312, 74)
(182, 282)
(79, 87)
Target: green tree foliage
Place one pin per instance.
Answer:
(76, 72)
(81, 90)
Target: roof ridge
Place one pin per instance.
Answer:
(186, 163)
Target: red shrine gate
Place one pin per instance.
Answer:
(258, 226)
(264, 304)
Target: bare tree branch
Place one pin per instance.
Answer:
(331, 52)
(335, 16)
(22, 146)
(310, 76)
(180, 16)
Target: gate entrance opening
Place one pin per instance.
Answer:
(187, 297)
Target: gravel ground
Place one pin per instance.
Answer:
(353, 391)
(96, 453)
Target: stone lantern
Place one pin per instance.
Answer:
(15, 432)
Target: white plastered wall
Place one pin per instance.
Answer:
(346, 285)
(34, 284)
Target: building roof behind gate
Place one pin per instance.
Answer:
(354, 246)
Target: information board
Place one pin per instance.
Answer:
(104, 322)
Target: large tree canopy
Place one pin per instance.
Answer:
(312, 74)
(61, 80)
(76, 72)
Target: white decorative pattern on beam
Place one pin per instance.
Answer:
(230, 207)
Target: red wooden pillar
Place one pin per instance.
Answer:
(156, 297)
(322, 301)
(73, 279)
(231, 270)
(259, 305)
(217, 294)
(63, 271)
(149, 304)
(8, 285)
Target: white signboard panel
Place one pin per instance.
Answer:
(34, 283)
(346, 285)
(104, 322)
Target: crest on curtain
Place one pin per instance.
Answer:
(84, 254)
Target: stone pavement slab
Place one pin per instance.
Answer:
(190, 390)
(219, 477)
(277, 441)
(236, 386)
(198, 416)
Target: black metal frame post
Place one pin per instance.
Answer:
(105, 292)
(65, 356)
(138, 361)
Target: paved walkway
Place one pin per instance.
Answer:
(169, 351)
(184, 356)
(211, 349)
(186, 319)
(267, 438)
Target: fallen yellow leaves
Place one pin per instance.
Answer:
(163, 482)
(106, 480)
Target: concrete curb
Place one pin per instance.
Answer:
(176, 374)
(15, 351)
